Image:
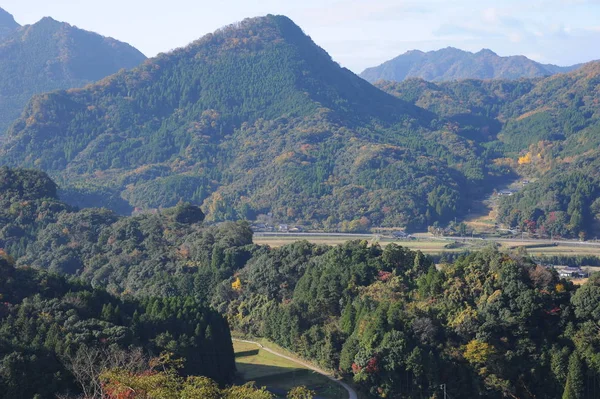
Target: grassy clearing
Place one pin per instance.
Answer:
(279, 374)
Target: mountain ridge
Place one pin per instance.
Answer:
(452, 64)
(7, 23)
(51, 55)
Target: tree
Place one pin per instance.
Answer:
(300, 392)
(187, 213)
(586, 300)
(87, 364)
(478, 352)
(574, 386)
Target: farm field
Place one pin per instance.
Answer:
(280, 375)
(432, 246)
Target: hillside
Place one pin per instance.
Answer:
(7, 23)
(454, 64)
(57, 335)
(253, 119)
(51, 55)
(549, 130)
(487, 325)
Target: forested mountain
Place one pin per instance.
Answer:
(548, 128)
(257, 119)
(490, 325)
(7, 23)
(51, 55)
(454, 64)
(252, 119)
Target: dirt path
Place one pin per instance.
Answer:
(351, 392)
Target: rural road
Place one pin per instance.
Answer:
(351, 392)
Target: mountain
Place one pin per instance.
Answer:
(253, 119)
(453, 64)
(51, 55)
(7, 23)
(546, 129)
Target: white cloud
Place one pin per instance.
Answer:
(515, 37)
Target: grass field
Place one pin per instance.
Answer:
(280, 375)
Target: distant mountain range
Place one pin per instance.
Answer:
(453, 64)
(51, 55)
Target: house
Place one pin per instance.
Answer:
(506, 193)
(284, 228)
(573, 272)
(259, 227)
(399, 234)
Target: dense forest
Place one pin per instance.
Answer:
(490, 324)
(52, 329)
(51, 55)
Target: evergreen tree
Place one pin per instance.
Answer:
(574, 386)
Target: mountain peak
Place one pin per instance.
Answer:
(7, 23)
(486, 51)
(57, 56)
(48, 20)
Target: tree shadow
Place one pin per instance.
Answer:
(253, 352)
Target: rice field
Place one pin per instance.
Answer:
(434, 246)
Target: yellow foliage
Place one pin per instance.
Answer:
(495, 295)
(237, 285)
(524, 160)
(560, 288)
(464, 316)
(478, 352)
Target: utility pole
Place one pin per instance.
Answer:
(443, 386)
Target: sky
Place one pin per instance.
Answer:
(357, 33)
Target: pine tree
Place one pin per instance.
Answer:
(574, 386)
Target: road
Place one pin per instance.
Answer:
(351, 392)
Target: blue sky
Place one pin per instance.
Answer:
(357, 33)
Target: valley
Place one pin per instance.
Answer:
(245, 217)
